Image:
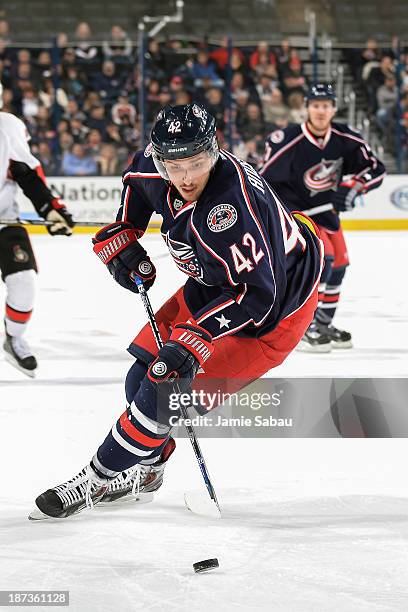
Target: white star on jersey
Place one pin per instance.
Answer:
(223, 321)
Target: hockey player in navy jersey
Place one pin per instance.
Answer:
(252, 278)
(320, 168)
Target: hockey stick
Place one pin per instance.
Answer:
(19, 221)
(190, 430)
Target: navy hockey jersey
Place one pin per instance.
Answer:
(250, 263)
(305, 170)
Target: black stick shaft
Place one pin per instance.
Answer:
(44, 223)
(183, 409)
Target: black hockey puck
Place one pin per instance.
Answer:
(205, 566)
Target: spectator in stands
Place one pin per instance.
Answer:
(85, 51)
(98, 119)
(63, 126)
(264, 88)
(277, 113)
(204, 68)
(23, 72)
(24, 56)
(93, 143)
(69, 58)
(71, 109)
(371, 51)
(62, 40)
(123, 113)
(48, 95)
(155, 60)
(78, 130)
(283, 55)
(153, 99)
(48, 160)
(8, 105)
(250, 124)
(238, 65)
(4, 31)
(376, 78)
(119, 47)
(29, 103)
(182, 97)
(6, 61)
(77, 163)
(44, 62)
(215, 104)
(108, 82)
(173, 56)
(292, 76)
(41, 129)
(65, 142)
(220, 54)
(74, 83)
(297, 107)
(387, 96)
(176, 84)
(164, 96)
(113, 134)
(262, 58)
(108, 163)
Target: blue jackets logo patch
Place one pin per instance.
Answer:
(221, 217)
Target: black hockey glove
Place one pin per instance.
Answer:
(117, 246)
(179, 359)
(345, 197)
(59, 217)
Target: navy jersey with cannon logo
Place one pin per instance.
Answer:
(305, 170)
(249, 262)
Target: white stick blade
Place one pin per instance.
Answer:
(199, 503)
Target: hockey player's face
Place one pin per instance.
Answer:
(190, 175)
(320, 113)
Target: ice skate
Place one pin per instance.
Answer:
(18, 353)
(339, 338)
(314, 341)
(139, 482)
(83, 491)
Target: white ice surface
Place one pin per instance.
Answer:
(308, 525)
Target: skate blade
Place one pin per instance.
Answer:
(37, 515)
(200, 504)
(10, 359)
(342, 345)
(304, 347)
(142, 498)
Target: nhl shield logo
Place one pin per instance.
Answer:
(221, 217)
(20, 256)
(177, 204)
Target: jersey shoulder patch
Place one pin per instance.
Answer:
(282, 137)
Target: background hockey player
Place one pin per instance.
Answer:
(321, 167)
(253, 271)
(17, 262)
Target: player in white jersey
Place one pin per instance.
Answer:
(18, 167)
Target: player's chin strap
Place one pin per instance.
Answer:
(190, 430)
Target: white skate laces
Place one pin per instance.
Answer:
(134, 475)
(83, 485)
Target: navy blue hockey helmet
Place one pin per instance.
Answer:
(321, 91)
(183, 131)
